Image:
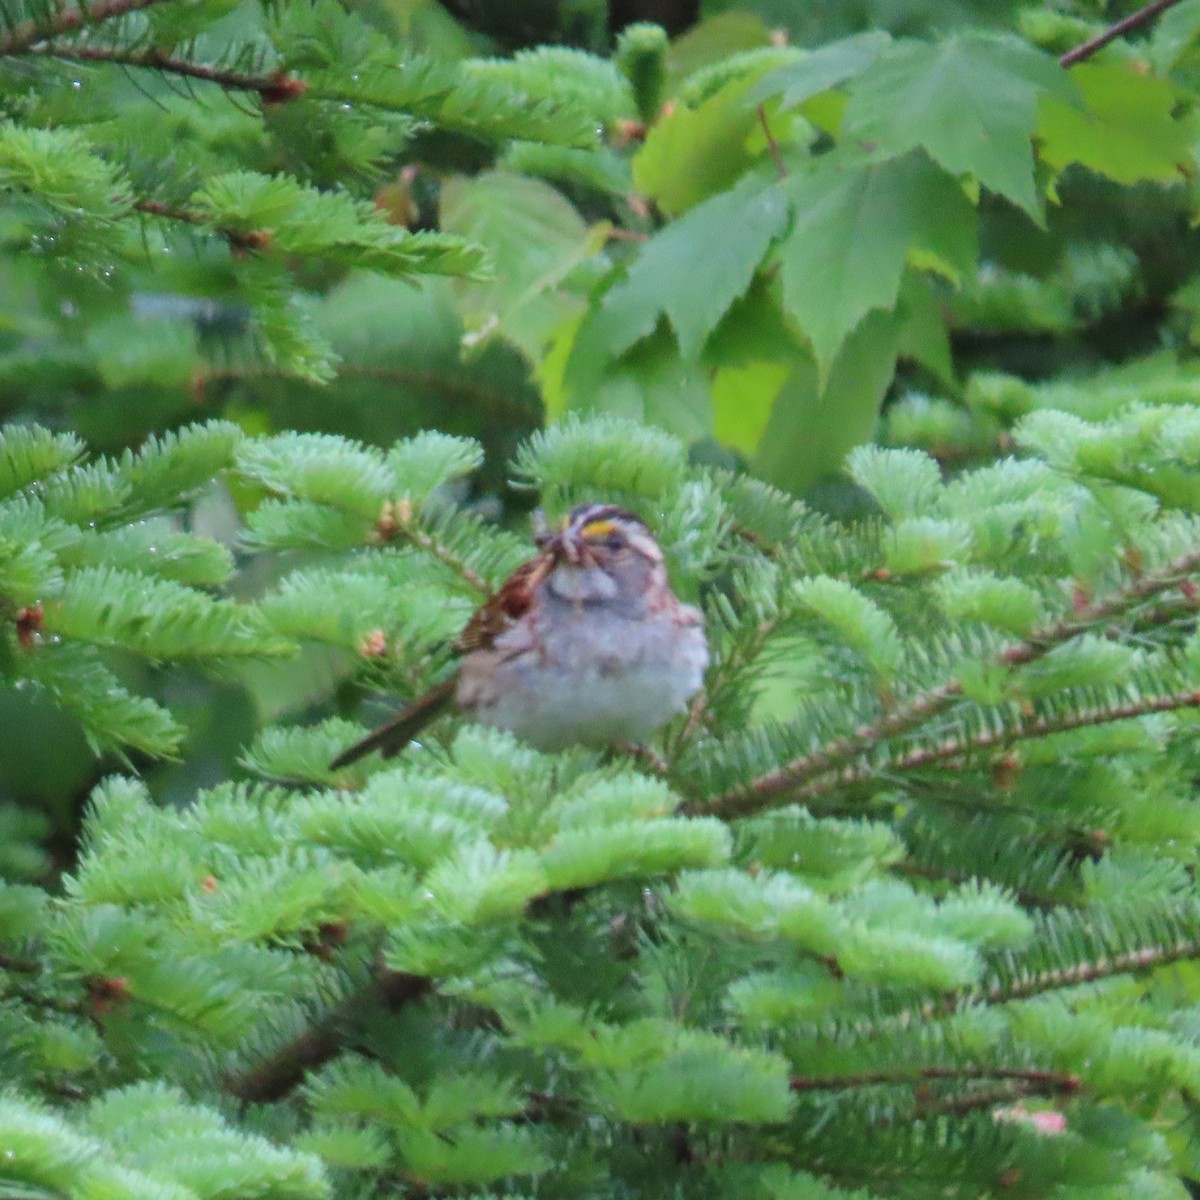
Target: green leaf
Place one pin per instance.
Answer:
(820, 70)
(534, 238)
(855, 229)
(1128, 129)
(814, 424)
(742, 399)
(715, 40)
(924, 337)
(651, 384)
(695, 152)
(971, 101)
(693, 289)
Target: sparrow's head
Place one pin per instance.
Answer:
(601, 552)
(600, 535)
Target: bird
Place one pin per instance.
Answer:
(584, 644)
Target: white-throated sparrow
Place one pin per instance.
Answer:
(585, 643)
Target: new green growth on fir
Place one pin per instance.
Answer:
(916, 868)
(303, 305)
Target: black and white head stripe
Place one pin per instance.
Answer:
(598, 515)
(595, 524)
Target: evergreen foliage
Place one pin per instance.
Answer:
(303, 304)
(905, 904)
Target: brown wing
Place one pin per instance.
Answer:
(489, 621)
(507, 606)
(393, 735)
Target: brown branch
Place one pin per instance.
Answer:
(274, 1077)
(781, 784)
(22, 38)
(914, 869)
(1052, 1081)
(397, 521)
(954, 748)
(1143, 958)
(24, 966)
(961, 1106)
(275, 88)
(1126, 25)
(1132, 961)
(240, 241)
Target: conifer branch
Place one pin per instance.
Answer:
(1026, 986)
(275, 88)
(990, 1098)
(1055, 1081)
(398, 520)
(953, 748)
(20, 39)
(240, 241)
(23, 966)
(1135, 20)
(912, 868)
(1143, 958)
(274, 1077)
(781, 784)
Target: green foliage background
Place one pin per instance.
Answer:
(884, 314)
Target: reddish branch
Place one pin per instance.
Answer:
(781, 784)
(1037, 727)
(240, 240)
(22, 38)
(1126, 25)
(1046, 1081)
(1025, 986)
(276, 88)
(397, 520)
(1142, 959)
(274, 1077)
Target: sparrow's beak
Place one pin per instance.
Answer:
(571, 548)
(565, 546)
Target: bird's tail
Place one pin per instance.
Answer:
(393, 735)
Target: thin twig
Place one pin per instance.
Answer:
(1055, 1081)
(961, 1106)
(275, 88)
(22, 38)
(1134, 21)
(274, 1077)
(772, 144)
(953, 748)
(24, 966)
(1144, 958)
(1027, 898)
(768, 788)
(240, 240)
(409, 529)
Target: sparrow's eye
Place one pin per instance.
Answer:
(614, 541)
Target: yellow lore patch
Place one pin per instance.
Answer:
(598, 529)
